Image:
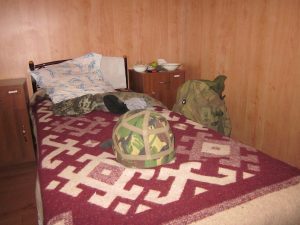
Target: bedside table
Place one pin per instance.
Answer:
(16, 145)
(159, 85)
(17, 158)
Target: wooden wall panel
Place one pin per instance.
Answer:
(44, 30)
(254, 42)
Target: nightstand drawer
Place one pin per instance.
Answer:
(160, 85)
(161, 78)
(14, 96)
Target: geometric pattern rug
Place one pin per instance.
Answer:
(82, 183)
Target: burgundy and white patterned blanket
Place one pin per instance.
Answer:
(83, 184)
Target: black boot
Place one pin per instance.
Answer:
(114, 104)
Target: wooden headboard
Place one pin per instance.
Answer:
(32, 67)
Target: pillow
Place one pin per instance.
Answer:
(87, 65)
(67, 87)
(113, 71)
(72, 78)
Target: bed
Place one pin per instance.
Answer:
(213, 180)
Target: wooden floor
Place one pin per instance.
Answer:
(17, 195)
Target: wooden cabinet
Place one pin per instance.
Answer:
(159, 85)
(17, 195)
(16, 145)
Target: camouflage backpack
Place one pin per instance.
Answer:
(202, 102)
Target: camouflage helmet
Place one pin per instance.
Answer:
(142, 139)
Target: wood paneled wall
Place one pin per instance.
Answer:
(254, 42)
(44, 30)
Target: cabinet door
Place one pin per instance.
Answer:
(177, 78)
(15, 134)
(160, 87)
(137, 81)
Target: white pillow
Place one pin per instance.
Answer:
(88, 65)
(71, 87)
(113, 71)
(72, 78)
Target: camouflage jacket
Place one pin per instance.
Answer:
(87, 103)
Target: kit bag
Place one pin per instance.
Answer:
(202, 101)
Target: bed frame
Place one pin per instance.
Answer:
(32, 67)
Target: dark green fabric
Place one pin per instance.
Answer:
(202, 102)
(106, 144)
(115, 105)
(218, 85)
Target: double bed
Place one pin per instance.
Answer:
(213, 180)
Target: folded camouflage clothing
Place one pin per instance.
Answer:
(87, 103)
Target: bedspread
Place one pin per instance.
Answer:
(81, 183)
